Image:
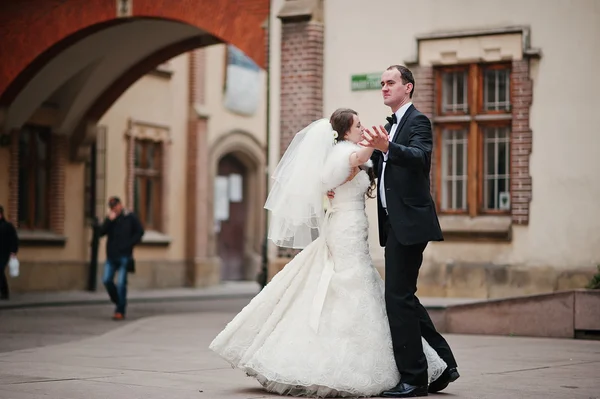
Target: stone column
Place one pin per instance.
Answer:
(202, 264)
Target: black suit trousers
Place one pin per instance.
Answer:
(409, 320)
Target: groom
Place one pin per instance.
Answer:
(407, 222)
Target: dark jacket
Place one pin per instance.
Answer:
(9, 241)
(123, 234)
(411, 209)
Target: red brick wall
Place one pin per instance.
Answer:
(196, 94)
(423, 97)
(301, 82)
(50, 22)
(521, 140)
(198, 220)
(424, 100)
(129, 180)
(301, 77)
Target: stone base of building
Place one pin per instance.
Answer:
(38, 276)
(157, 274)
(207, 272)
(497, 281)
(73, 276)
(484, 281)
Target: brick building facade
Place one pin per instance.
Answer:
(499, 172)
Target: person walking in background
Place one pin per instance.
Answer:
(9, 246)
(124, 232)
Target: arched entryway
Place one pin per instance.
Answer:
(231, 216)
(237, 165)
(68, 68)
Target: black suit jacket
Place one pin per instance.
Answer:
(9, 241)
(411, 209)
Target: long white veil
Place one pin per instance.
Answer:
(296, 198)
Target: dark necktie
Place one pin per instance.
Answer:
(392, 120)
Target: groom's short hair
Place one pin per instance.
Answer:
(406, 75)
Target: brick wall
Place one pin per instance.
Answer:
(423, 97)
(198, 218)
(23, 50)
(424, 101)
(521, 140)
(195, 95)
(130, 166)
(301, 82)
(301, 77)
(58, 164)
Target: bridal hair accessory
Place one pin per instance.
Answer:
(335, 136)
(296, 196)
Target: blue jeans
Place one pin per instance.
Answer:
(118, 293)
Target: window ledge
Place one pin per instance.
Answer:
(40, 238)
(154, 238)
(467, 118)
(480, 228)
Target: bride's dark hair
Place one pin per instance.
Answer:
(341, 121)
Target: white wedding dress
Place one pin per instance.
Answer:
(320, 328)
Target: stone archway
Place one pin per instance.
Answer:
(64, 64)
(23, 50)
(68, 68)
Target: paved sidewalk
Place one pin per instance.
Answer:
(241, 289)
(166, 357)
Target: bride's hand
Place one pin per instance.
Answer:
(377, 139)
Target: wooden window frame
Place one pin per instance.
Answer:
(439, 144)
(142, 173)
(439, 85)
(44, 224)
(475, 121)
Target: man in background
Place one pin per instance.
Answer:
(124, 231)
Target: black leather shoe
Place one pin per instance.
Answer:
(404, 390)
(448, 376)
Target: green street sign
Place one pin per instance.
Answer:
(367, 81)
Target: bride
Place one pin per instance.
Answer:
(320, 328)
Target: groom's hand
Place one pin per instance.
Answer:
(377, 138)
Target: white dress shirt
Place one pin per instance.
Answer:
(399, 114)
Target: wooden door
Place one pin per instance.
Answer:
(230, 239)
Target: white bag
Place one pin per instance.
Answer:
(13, 267)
